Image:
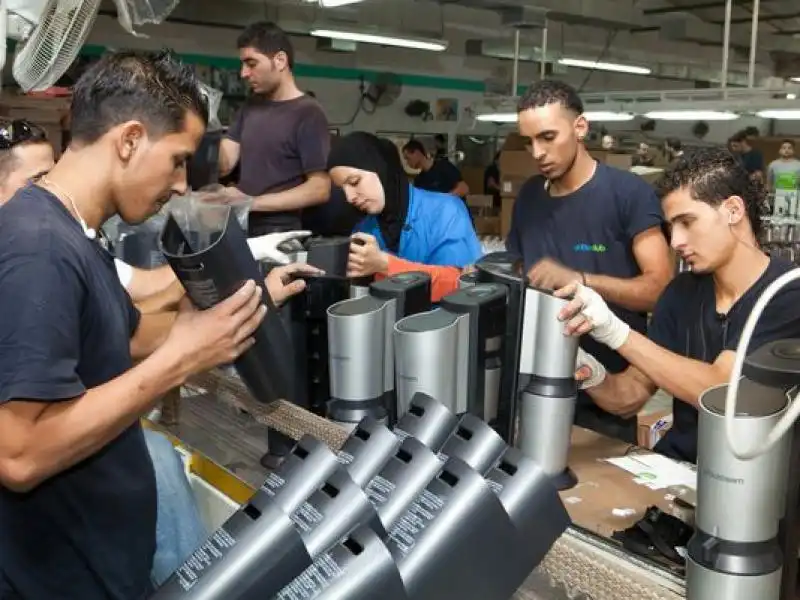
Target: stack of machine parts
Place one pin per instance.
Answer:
(360, 348)
(739, 546)
(440, 507)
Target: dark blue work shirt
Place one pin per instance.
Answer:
(686, 322)
(590, 230)
(88, 532)
(442, 177)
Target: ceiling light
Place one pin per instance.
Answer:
(335, 3)
(606, 115)
(692, 115)
(500, 117)
(795, 79)
(603, 66)
(788, 114)
(383, 40)
(791, 96)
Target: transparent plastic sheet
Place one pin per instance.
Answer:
(214, 98)
(150, 11)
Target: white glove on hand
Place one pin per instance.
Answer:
(607, 328)
(265, 247)
(597, 369)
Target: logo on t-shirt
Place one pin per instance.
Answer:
(596, 248)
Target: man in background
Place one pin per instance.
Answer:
(608, 143)
(581, 220)
(279, 139)
(752, 159)
(25, 155)
(783, 179)
(435, 174)
(491, 180)
(440, 146)
(643, 157)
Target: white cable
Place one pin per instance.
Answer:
(756, 447)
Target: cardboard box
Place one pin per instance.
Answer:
(652, 427)
(506, 210)
(480, 201)
(620, 161)
(516, 163)
(510, 186)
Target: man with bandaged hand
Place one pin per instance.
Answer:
(712, 208)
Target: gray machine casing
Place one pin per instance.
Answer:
(546, 404)
(361, 351)
(453, 353)
(735, 552)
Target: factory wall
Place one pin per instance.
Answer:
(334, 78)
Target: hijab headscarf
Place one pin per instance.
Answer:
(367, 152)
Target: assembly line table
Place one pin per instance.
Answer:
(225, 429)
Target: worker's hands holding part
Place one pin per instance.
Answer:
(549, 274)
(265, 247)
(283, 283)
(589, 372)
(206, 339)
(366, 257)
(587, 312)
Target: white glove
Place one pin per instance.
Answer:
(607, 328)
(598, 375)
(265, 247)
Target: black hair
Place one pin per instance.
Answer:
(154, 88)
(674, 143)
(268, 39)
(712, 175)
(751, 131)
(739, 136)
(550, 91)
(787, 141)
(414, 146)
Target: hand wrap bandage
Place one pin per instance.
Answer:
(607, 328)
(598, 375)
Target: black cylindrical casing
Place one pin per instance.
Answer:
(215, 272)
(468, 280)
(411, 291)
(358, 568)
(455, 539)
(308, 317)
(329, 254)
(367, 450)
(475, 443)
(300, 474)
(203, 167)
(427, 420)
(253, 555)
(503, 268)
(532, 502)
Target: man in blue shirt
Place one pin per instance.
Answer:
(584, 220)
(77, 490)
(713, 209)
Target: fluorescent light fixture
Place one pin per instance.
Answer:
(608, 116)
(504, 117)
(791, 96)
(795, 79)
(336, 3)
(383, 40)
(604, 66)
(787, 114)
(691, 115)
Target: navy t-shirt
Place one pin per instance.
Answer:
(87, 532)
(590, 230)
(442, 177)
(686, 322)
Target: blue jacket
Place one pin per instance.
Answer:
(438, 231)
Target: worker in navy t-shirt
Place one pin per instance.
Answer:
(712, 207)
(587, 221)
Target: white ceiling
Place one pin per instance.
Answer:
(678, 39)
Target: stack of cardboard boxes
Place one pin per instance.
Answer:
(516, 167)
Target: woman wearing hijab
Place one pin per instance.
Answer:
(406, 228)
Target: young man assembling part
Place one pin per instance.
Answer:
(584, 220)
(712, 206)
(77, 490)
(280, 139)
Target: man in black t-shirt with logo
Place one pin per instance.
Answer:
(712, 207)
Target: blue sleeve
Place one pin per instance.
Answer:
(641, 209)
(455, 243)
(40, 331)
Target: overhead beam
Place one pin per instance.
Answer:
(761, 19)
(669, 10)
